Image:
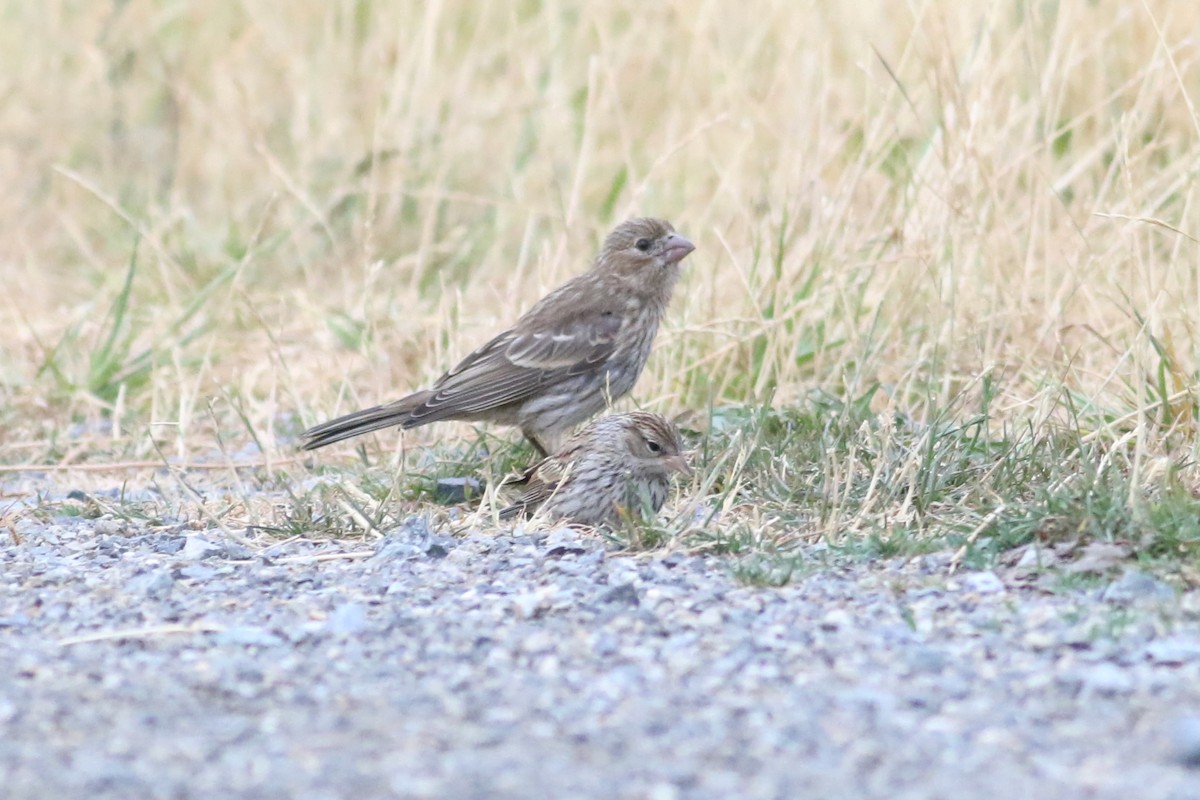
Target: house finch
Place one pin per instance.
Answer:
(616, 467)
(579, 348)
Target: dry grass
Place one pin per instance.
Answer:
(332, 201)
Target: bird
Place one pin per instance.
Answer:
(617, 468)
(571, 355)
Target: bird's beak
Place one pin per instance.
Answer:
(677, 248)
(678, 464)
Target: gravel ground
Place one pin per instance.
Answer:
(171, 664)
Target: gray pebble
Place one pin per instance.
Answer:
(1135, 585)
(625, 594)
(1107, 679)
(247, 635)
(835, 619)
(109, 527)
(927, 659)
(155, 584)
(413, 539)
(197, 572)
(394, 549)
(236, 551)
(347, 619)
(1185, 741)
(983, 583)
(196, 547)
(169, 545)
(1174, 650)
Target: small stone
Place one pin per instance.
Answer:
(462, 556)
(1174, 650)
(197, 548)
(835, 619)
(1041, 640)
(531, 604)
(109, 527)
(927, 659)
(247, 635)
(410, 539)
(564, 542)
(197, 572)
(1185, 741)
(1099, 557)
(1107, 679)
(169, 545)
(983, 583)
(560, 554)
(104, 545)
(395, 549)
(625, 595)
(1036, 557)
(935, 563)
(154, 585)
(663, 791)
(347, 619)
(1135, 585)
(450, 491)
(563, 537)
(233, 550)
(1079, 637)
(672, 559)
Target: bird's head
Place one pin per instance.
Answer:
(645, 247)
(654, 444)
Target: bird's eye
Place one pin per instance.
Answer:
(642, 244)
(655, 447)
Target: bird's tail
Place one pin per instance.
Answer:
(514, 511)
(360, 422)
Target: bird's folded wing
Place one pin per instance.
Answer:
(540, 482)
(517, 364)
(581, 342)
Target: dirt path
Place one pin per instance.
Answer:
(168, 665)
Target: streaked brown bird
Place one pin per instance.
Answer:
(617, 468)
(578, 349)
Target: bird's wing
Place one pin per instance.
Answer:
(540, 482)
(579, 343)
(520, 362)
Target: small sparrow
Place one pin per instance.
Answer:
(617, 467)
(578, 349)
